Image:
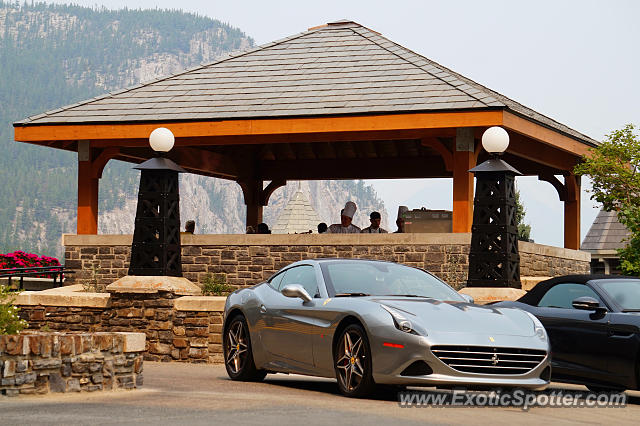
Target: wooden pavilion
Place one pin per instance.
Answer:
(338, 101)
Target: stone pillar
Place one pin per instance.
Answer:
(147, 303)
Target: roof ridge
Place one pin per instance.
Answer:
(112, 93)
(432, 63)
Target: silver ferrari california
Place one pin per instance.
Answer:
(369, 322)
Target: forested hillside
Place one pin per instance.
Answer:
(51, 56)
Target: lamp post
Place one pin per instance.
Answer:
(494, 260)
(155, 250)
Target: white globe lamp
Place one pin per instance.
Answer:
(161, 140)
(495, 140)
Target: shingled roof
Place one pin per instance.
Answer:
(605, 234)
(340, 68)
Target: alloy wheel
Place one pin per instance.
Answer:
(351, 360)
(237, 348)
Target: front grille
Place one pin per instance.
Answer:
(488, 359)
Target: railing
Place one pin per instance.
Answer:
(54, 272)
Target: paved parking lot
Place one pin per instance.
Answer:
(197, 394)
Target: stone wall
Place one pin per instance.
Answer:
(187, 329)
(248, 259)
(37, 362)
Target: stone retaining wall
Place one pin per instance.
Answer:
(187, 329)
(37, 362)
(248, 259)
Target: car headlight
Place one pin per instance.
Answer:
(399, 320)
(538, 328)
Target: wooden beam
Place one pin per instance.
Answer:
(438, 146)
(266, 192)
(544, 134)
(257, 127)
(195, 160)
(101, 160)
(559, 186)
(541, 153)
(365, 168)
(202, 160)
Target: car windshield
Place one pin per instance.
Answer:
(625, 293)
(362, 278)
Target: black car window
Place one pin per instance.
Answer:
(304, 275)
(275, 281)
(626, 293)
(561, 295)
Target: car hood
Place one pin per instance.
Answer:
(452, 317)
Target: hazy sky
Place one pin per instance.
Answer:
(575, 61)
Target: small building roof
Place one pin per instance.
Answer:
(335, 69)
(606, 234)
(297, 217)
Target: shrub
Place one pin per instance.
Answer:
(216, 285)
(10, 322)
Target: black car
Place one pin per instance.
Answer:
(593, 323)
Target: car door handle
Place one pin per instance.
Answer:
(263, 309)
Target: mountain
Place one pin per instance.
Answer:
(54, 55)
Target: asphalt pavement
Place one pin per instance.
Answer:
(199, 394)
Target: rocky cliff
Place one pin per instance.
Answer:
(55, 55)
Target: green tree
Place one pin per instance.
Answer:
(614, 168)
(524, 230)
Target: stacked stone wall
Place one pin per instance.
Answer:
(39, 363)
(248, 259)
(171, 334)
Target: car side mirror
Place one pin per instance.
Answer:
(468, 298)
(586, 303)
(296, 290)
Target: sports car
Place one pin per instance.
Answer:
(593, 323)
(368, 322)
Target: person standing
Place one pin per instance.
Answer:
(346, 216)
(374, 228)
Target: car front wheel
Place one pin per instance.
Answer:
(238, 357)
(352, 361)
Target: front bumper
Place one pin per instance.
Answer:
(389, 362)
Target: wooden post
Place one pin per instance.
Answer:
(87, 220)
(463, 160)
(572, 213)
(254, 215)
(252, 191)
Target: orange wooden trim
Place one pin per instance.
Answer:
(87, 220)
(34, 133)
(544, 134)
(462, 191)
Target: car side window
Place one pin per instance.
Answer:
(275, 281)
(304, 275)
(561, 295)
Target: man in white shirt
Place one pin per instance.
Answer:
(345, 226)
(375, 219)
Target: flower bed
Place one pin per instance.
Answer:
(20, 259)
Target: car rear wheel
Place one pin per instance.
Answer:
(238, 357)
(352, 361)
